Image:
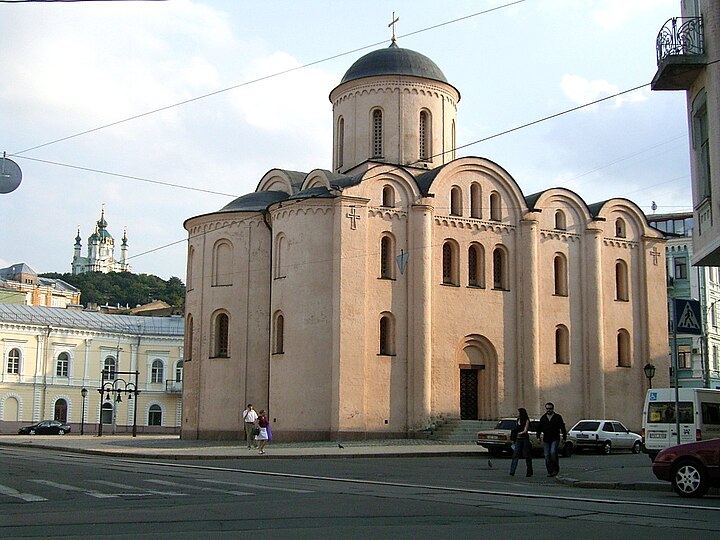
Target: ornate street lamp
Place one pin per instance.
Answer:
(84, 392)
(649, 370)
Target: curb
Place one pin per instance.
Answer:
(628, 486)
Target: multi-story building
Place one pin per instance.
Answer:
(698, 357)
(33, 290)
(688, 58)
(49, 355)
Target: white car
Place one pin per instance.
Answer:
(605, 435)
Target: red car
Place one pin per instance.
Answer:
(692, 468)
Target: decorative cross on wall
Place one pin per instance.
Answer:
(654, 253)
(353, 218)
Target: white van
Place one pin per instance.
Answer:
(699, 414)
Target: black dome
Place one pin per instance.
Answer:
(394, 61)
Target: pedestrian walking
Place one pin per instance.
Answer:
(551, 427)
(262, 424)
(249, 418)
(522, 445)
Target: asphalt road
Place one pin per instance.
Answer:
(46, 493)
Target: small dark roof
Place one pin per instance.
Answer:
(394, 60)
(256, 201)
(15, 269)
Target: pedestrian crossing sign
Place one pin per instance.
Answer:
(687, 317)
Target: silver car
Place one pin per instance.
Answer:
(605, 435)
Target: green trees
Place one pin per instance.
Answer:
(124, 288)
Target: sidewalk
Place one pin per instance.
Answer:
(575, 472)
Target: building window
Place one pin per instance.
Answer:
(191, 256)
(189, 338)
(425, 136)
(562, 345)
(714, 358)
(500, 269)
(106, 415)
(684, 356)
(63, 361)
(455, 201)
(279, 256)
(475, 201)
(701, 146)
(155, 415)
(279, 334)
(620, 229)
(681, 268)
(13, 363)
(495, 214)
(60, 413)
(157, 371)
(387, 335)
(109, 368)
(222, 264)
(222, 325)
(560, 222)
(340, 141)
(388, 197)
(179, 371)
(623, 348)
(621, 281)
(386, 257)
(450, 263)
(561, 277)
(377, 133)
(476, 266)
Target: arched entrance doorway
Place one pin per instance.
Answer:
(477, 363)
(60, 410)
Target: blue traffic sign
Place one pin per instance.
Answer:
(687, 317)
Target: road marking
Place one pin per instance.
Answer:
(200, 488)
(255, 486)
(28, 497)
(143, 491)
(68, 487)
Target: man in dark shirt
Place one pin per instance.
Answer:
(551, 426)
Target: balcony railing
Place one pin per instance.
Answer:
(173, 387)
(680, 36)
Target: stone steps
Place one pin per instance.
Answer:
(460, 431)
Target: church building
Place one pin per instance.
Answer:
(100, 251)
(405, 285)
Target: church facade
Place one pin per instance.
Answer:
(406, 286)
(100, 251)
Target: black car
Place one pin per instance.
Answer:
(46, 427)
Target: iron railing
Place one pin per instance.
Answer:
(173, 386)
(680, 36)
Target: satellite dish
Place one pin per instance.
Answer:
(10, 175)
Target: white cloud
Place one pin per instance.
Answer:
(581, 90)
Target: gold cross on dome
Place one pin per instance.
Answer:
(395, 20)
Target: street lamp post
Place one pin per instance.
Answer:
(83, 392)
(649, 370)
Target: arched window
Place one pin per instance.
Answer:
(388, 196)
(106, 415)
(157, 371)
(495, 214)
(60, 413)
(222, 325)
(13, 363)
(377, 133)
(623, 348)
(560, 222)
(191, 256)
(189, 337)
(179, 371)
(621, 280)
(155, 415)
(500, 269)
(455, 201)
(279, 334)
(340, 141)
(63, 364)
(425, 136)
(620, 230)
(475, 200)
(222, 264)
(387, 335)
(476, 266)
(387, 251)
(109, 368)
(450, 264)
(562, 345)
(279, 256)
(560, 272)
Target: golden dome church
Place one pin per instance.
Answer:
(406, 286)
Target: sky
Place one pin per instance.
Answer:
(162, 111)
